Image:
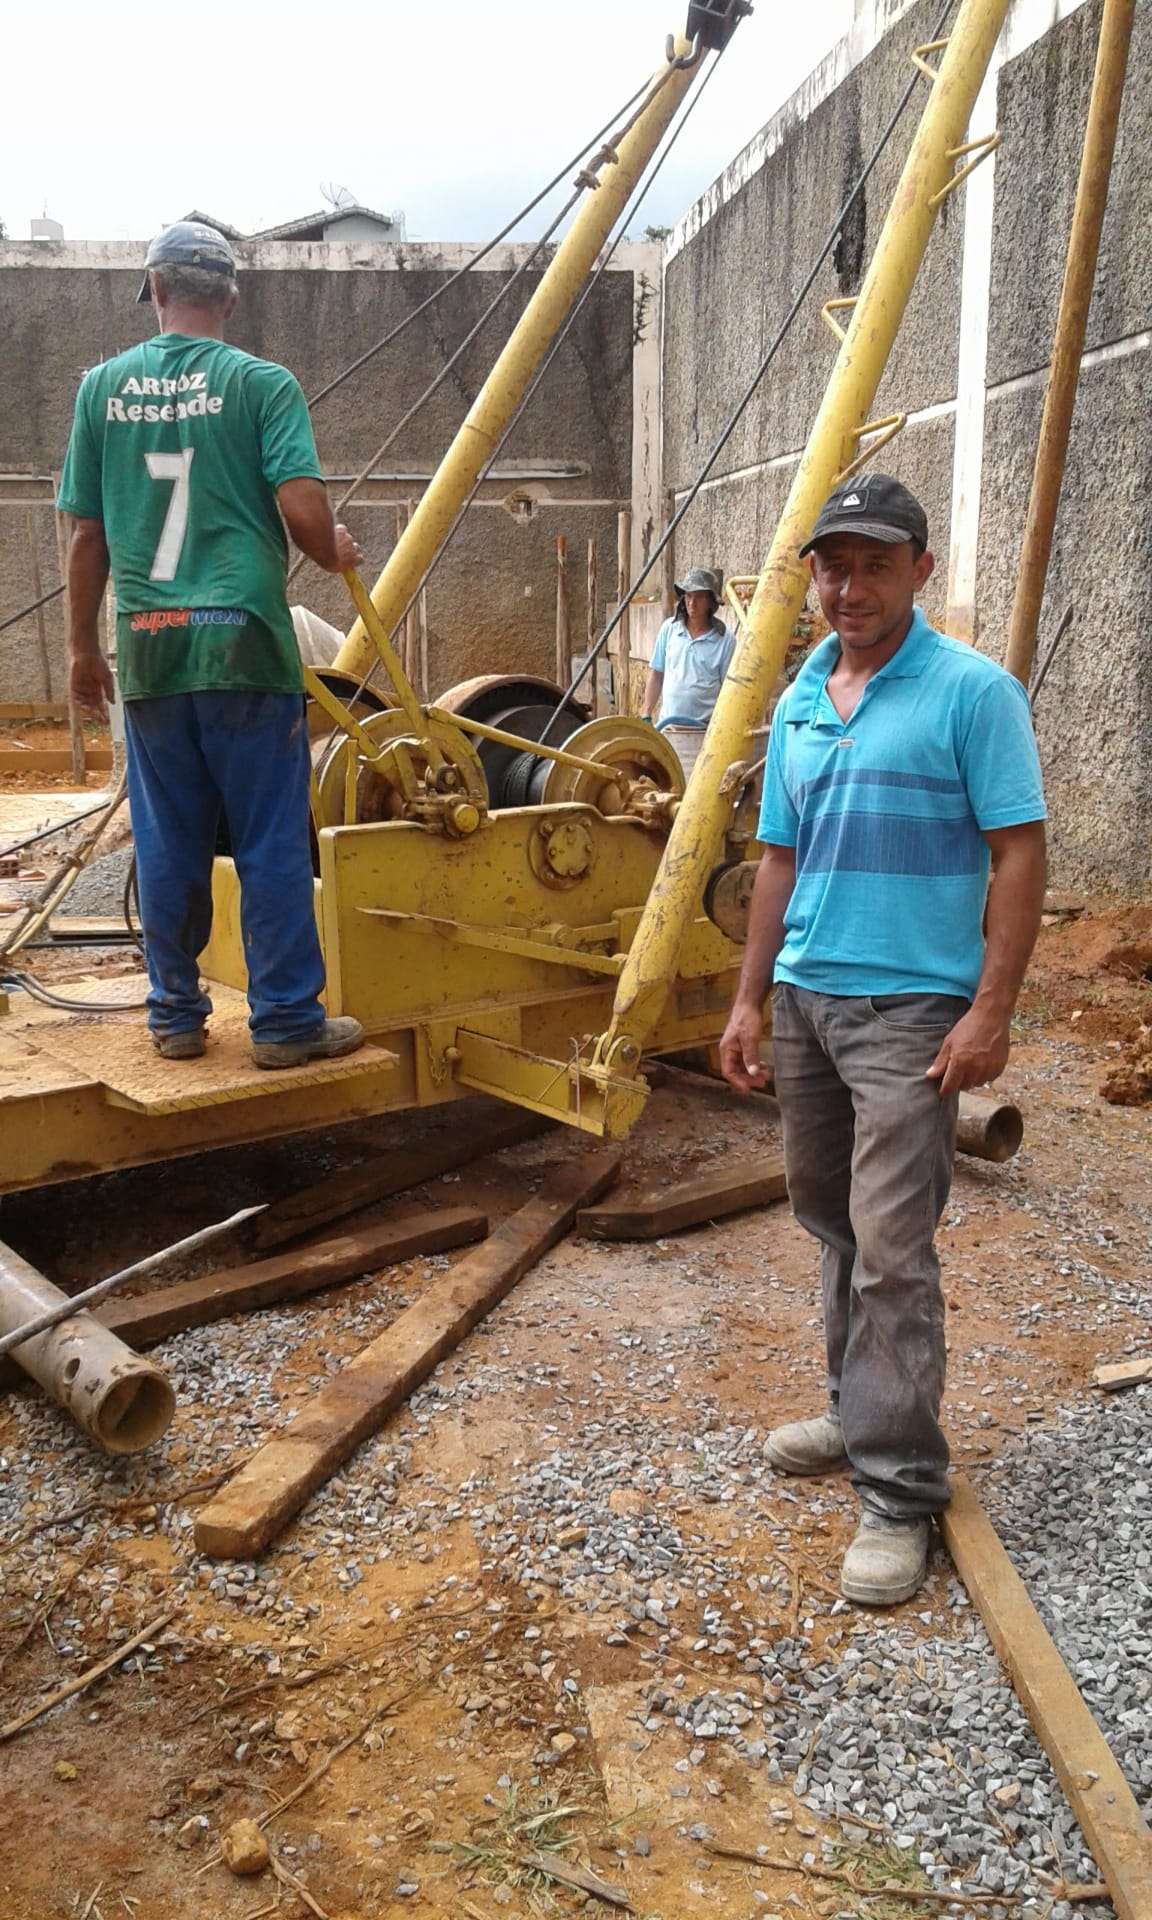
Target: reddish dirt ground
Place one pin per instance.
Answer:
(125, 1790)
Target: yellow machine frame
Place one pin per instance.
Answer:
(535, 953)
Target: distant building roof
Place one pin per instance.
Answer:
(313, 226)
(210, 220)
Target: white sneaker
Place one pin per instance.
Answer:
(886, 1562)
(807, 1446)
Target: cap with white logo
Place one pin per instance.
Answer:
(876, 506)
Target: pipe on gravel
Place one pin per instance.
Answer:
(120, 1398)
(989, 1129)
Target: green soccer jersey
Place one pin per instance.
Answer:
(178, 446)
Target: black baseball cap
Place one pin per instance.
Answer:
(188, 243)
(875, 505)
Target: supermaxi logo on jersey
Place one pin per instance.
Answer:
(148, 400)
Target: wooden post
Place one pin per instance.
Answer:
(1098, 1793)
(422, 641)
(593, 619)
(404, 639)
(563, 617)
(1071, 325)
(37, 590)
(624, 630)
(668, 559)
(75, 729)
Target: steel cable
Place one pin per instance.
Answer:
(742, 405)
(641, 94)
(639, 195)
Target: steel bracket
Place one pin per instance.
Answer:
(581, 1095)
(979, 150)
(885, 430)
(919, 57)
(837, 306)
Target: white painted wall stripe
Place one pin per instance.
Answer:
(1123, 349)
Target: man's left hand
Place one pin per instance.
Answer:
(975, 1052)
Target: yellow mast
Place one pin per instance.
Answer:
(694, 846)
(614, 179)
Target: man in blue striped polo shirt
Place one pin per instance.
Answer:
(895, 909)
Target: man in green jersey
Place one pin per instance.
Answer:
(186, 455)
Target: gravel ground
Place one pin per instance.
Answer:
(905, 1726)
(99, 888)
(582, 1452)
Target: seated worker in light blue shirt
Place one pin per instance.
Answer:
(692, 654)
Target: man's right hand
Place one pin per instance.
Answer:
(348, 552)
(91, 683)
(740, 1048)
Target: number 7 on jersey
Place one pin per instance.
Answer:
(176, 467)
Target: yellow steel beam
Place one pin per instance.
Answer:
(508, 381)
(506, 940)
(695, 841)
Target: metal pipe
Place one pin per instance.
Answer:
(526, 347)
(118, 1397)
(697, 834)
(1071, 326)
(989, 1129)
(66, 1305)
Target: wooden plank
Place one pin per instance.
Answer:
(563, 616)
(150, 1317)
(52, 760)
(710, 1196)
(343, 1193)
(624, 630)
(286, 1276)
(1123, 1373)
(117, 1052)
(1097, 1791)
(258, 1503)
(33, 710)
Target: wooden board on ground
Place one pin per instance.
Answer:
(342, 1193)
(678, 1079)
(51, 759)
(258, 1503)
(1123, 1373)
(286, 1276)
(689, 1203)
(117, 1052)
(1100, 1797)
(330, 1262)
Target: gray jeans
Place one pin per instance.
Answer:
(868, 1149)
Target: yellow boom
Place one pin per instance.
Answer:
(939, 158)
(508, 381)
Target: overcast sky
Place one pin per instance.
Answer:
(120, 117)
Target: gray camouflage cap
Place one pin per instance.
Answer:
(701, 580)
(187, 243)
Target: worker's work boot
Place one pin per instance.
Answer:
(886, 1562)
(334, 1038)
(188, 1045)
(807, 1446)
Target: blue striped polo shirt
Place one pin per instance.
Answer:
(887, 813)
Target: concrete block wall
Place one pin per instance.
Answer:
(969, 368)
(315, 308)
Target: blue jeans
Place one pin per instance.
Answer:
(191, 758)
